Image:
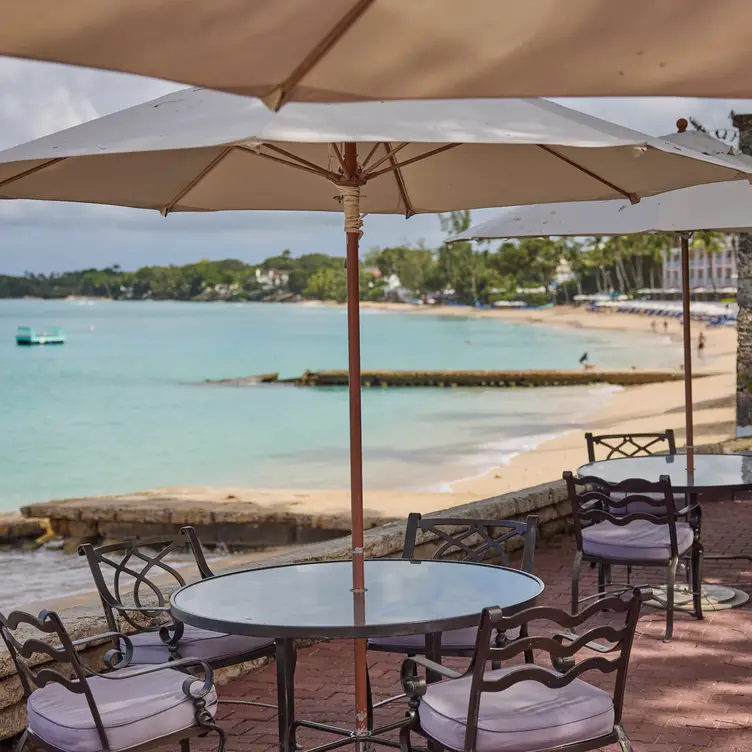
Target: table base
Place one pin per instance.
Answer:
(286, 659)
(363, 742)
(714, 598)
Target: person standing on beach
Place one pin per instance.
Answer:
(701, 344)
(665, 326)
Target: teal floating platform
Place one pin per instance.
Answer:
(28, 336)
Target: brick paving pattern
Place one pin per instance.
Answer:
(693, 694)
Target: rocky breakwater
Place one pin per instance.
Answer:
(233, 518)
(453, 379)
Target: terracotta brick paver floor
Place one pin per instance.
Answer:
(693, 694)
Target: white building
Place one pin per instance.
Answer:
(707, 272)
(272, 278)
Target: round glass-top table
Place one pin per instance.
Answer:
(314, 600)
(712, 472)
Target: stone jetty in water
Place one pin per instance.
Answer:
(504, 379)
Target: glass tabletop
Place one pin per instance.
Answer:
(711, 472)
(314, 600)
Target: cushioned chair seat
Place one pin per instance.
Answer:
(526, 717)
(639, 540)
(195, 643)
(454, 639)
(134, 710)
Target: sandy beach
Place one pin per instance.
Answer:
(641, 408)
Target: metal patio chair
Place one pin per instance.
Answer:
(652, 536)
(616, 445)
(138, 601)
(477, 540)
(72, 708)
(528, 707)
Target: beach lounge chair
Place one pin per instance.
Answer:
(650, 537)
(73, 708)
(139, 572)
(524, 707)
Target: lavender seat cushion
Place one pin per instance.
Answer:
(209, 646)
(524, 718)
(453, 639)
(639, 540)
(134, 710)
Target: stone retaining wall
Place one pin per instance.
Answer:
(548, 501)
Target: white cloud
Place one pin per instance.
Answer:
(40, 98)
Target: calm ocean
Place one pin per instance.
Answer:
(120, 407)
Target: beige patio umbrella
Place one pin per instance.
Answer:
(198, 150)
(355, 50)
(724, 207)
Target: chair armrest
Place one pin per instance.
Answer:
(572, 637)
(413, 684)
(419, 660)
(206, 684)
(139, 610)
(115, 658)
(103, 636)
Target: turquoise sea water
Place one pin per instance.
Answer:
(120, 407)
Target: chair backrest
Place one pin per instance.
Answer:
(594, 500)
(31, 658)
(630, 444)
(619, 641)
(132, 565)
(473, 540)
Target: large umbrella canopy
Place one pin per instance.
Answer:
(354, 50)
(198, 150)
(723, 207)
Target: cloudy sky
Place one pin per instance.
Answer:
(39, 98)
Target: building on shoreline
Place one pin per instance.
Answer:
(706, 271)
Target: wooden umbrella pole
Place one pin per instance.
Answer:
(687, 352)
(350, 195)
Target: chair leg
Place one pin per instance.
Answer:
(696, 567)
(670, 599)
(601, 579)
(21, 743)
(222, 739)
(624, 743)
(404, 740)
(369, 699)
(576, 582)
(185, 745)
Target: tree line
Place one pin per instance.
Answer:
(463, 272)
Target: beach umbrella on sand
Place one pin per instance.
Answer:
(723, 207)
(198, 150)
(356, 50)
